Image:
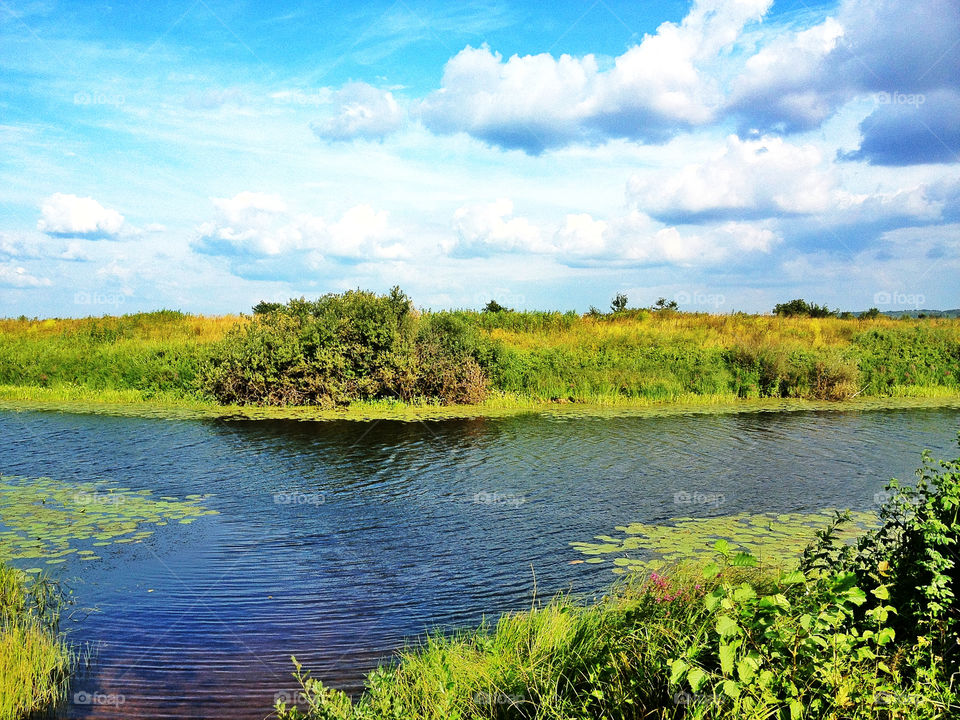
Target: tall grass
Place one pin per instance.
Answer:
(35, 661)
(632, 356)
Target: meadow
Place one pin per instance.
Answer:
(374, 351)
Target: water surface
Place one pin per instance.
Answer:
(337, 541)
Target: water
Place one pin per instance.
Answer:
(337, 541)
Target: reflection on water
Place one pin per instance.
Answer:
(336, 541)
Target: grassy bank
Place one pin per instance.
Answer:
(379, 356)
(35, 662)
(868, 630)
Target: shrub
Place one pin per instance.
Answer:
(800, 307)
(341, 348)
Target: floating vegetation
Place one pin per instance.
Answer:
(51, 520)
(775, 540)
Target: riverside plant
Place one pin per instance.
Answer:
(35, 661)
(359, 346)
(852, 631)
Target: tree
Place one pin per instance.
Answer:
(870, 314)
(265, 308)
(493, 307)
(619, 303)
(663, 304)
(800, 307)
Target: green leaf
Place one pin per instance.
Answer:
(794, 577)
(796, 710)
(882, 593)
(744, 559)
(747, 668)
(885, 635)
(728, 654)
(677, 670)
(711, 571)
(722, 547)
(744, 593)
(727, 626)
(731, 689)
(696, 677)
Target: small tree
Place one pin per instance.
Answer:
(494, 307)
(619, 303)
(800, 307)
(870, 314)
(664, 304)
(264, 308)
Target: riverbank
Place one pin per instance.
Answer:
(862, 632)
(361, 356)
(35, 661)
(133, 403)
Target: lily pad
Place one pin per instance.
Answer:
(50, 519)
(775, 540)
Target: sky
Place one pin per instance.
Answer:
(203, 155)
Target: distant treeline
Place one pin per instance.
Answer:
(359, 345)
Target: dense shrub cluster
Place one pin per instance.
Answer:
(344, 347)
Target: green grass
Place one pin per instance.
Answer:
(35, 661)
(533, 361)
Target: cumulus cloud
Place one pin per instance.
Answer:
(778, 88)
(745, 179)
(535, 102)
(65, 215)
(870, 48)
(251, 227)
(361, 111)
(14, 276)
(582, 240)
(911, 129)
(770, 177)
(485, 228)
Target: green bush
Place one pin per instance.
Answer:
(340, 348)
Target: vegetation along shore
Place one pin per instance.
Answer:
(359, 354)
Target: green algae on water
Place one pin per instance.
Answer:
(776, 540)
(48, 519)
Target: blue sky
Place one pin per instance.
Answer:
(729, 154)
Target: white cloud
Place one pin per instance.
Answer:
(362, 111)
(778, 85)
(68, 215)
(255, 226)
(17, 277)
(535, 102)
(745, 178)
(487, 228)
(631, 239)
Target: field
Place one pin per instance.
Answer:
(636, 358)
